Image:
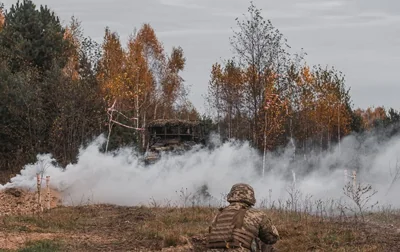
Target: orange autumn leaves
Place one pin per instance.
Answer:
(226, 94)
(275, 112)
(371, 115)
(73, 35)
(112, 73)
(2, 18)
(140, 77)
(231, 90)
(313, 104)
(323, 104)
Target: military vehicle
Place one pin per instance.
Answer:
(172, 136)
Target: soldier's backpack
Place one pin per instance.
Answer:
(227, 232)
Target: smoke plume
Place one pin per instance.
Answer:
(206, 174)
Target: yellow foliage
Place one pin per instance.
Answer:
(2, 19)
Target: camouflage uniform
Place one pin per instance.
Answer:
(238, 227)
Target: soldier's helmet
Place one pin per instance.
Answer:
(242, 193)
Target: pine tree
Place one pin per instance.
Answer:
(33, 37)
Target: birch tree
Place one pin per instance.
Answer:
(258, 46)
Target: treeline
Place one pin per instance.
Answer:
(268, 96)
(59, 89)
(57, 86)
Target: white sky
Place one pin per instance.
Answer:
(361, 38)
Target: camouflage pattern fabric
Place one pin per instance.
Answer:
(264, 248)
(242, 193)
(255, 224)
(226, 230)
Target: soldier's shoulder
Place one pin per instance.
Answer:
(259, 215)
(255, 215)
(256, 212)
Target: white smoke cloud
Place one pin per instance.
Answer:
(121, 178)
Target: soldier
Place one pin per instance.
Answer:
(238, 227)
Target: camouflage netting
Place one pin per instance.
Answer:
(171, 122)
(15, 201)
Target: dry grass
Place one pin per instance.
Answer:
(301, 232)
(113, 228)
(110, 227)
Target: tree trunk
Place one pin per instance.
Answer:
(143, 132)
(155, 111)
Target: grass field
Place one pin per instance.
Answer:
(115, 228)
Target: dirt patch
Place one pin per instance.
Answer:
(18, 240)
(16, 201)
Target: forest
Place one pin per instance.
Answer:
(59, 87)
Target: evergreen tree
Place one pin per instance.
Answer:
(33, 37)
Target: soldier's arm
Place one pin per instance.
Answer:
(268, 233)
(211, 224)
(213, 221)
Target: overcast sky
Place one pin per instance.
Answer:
(359, 37)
